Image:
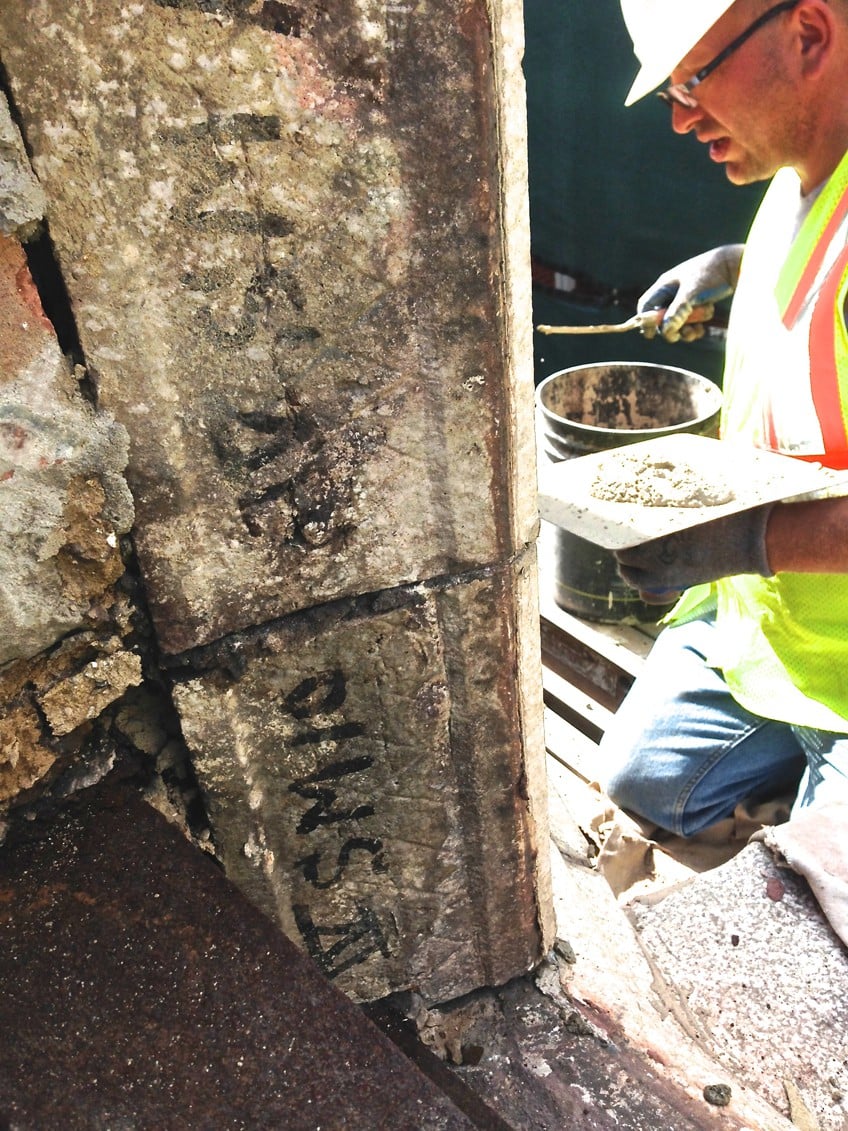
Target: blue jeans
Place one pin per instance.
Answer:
(683, 753)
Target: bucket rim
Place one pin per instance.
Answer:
(707, 384)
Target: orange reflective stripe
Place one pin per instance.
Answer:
(771, 430)
(810, 246)
(828, 357)
(836, 461)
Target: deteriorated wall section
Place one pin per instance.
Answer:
(294, 242)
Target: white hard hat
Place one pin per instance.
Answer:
(663, 33)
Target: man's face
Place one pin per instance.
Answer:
(746, 113)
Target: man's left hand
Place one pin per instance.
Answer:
(722, 548)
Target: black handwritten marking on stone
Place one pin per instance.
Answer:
(196, 213)
(236, 443)
(253, 439)
(334, 733)
(308, 507)
(309, 865)
(241, 440)
(270, 282)
(300, 469)
(237, 220)
(224, 128)
(317, 694)
(285, 19)
(272, 293)
(322, 812)
(293, 335)
(245, 127)
(357, 939)
(290, 513)
(259, 296)
(217, 7)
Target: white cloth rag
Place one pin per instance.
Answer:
(815, 844)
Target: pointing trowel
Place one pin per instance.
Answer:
(647, 320)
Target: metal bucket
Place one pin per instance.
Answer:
(591, 408)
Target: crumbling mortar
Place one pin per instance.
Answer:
(158, 682)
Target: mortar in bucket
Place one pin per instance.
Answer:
(591, 408)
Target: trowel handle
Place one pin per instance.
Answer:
(661, 299)
(648, 319)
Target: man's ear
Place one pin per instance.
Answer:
(813, 25)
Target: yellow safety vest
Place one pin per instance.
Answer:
(782, 642)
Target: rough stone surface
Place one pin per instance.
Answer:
(22, 200)
(762, 981)
(88, 692)
(49, 702)
(63, 506)
(283, 230)
(63, 500)
(366, 785)
(539, 1059)
(141, 990)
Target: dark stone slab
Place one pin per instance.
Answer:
(141, 990)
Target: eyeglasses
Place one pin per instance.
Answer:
(681, 92)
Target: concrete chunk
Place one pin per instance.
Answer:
(22, 200)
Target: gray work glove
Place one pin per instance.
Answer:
(692, 288)
(725, 547)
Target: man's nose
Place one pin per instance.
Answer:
(684, 118)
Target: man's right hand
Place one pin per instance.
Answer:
(688, 292)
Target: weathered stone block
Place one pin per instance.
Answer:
(293, 237)
(374, 778)
(63, 500)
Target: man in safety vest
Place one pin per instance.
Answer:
(746, 692)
